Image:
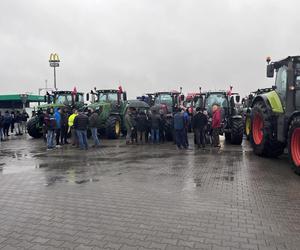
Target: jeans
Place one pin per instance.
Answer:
(180, 138)
(95, 136)
(17, 128)
(63, 134)
(200, 136)
(82, 138)
(141, 136)
(1, 134)
(155, 135)
(50, 138)
(57, 132)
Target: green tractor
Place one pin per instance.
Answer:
(232, 122)
(275, 112)
(111, 104)
(58, 99)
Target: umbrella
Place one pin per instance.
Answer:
(137, 104)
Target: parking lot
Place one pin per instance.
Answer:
(145, 197)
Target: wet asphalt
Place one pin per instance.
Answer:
(145, 197)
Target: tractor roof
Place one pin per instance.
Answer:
(66, 92)
(285, 61)
(173, 92)
(107, 91)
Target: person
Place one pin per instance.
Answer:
(129, 125)
(1, 127)
(179, 129)
(63, 126)
(50, 125)
(58, 126)
(95, 124)
(155, 124)
(81, 123)
(199, 126)
(141, 126)
(18, 122)
(216, 125)
(71, 129)
(186, 126)
(41, 120)
(12, 122)
(6, 123)
(25, 117)
(134, 125)
(162, 132)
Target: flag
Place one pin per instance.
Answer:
(74, 92)
(120, 89)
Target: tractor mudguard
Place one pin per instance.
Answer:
(271, 100)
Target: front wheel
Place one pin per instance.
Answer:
(237, 130)
(113, 127)
(294, 144)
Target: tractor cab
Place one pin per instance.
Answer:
(67, 98)
(107, 95)
(169, 100)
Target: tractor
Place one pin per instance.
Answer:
(275, 112)
(232, 122)
(57, 99)
(246, 113)
(111, 103)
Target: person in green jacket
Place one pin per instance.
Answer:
(129, 125)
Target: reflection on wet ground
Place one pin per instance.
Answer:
(224, 198)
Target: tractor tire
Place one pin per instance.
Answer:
(113, 127)
(262, 138)
(248, 127)
(168, 128)
(237, 131)
(33, 128)
(227, 136)
(294, 144)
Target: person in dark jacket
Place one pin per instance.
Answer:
(63, 126)
(6, 123)
(50, 124)
(12, 122)
(199, 126)
(81, 123)
(141, 126)
(155, 124)
(95, 124)
(58, 126)
(1, 127)
(129, 124)
(25, 117)
(216, 125)
(179, 126)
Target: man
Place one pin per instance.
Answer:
(129, 125)
(6, 123)
(18, 122)
(186, 126)
(141, 126)
(1, 127)
(81, 123)
(63, 126)
(50, 125)
(179, 129)
(12, 122)
(216, 125)
(199, 126)
(71, 129)
(155, 124)
(25, 117)
(95, 124)
(58, 126)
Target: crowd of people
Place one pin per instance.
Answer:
(12, 123)
(142, 127)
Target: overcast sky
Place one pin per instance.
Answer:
(144, 45)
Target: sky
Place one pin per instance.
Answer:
(144, 45)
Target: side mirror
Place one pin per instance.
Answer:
(195, 99)
(48, 99)
(45, 98)
(124, 96)
(181, 97)
(87, 97)
(270, 70)
(232, 101)
(77, 98)
(237, 98)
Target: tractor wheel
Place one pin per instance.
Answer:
(227, 136)
(262, 132)
(294, 144)
(33, 128)
(237, 131)
(248, 127)
(168, 129)
(113, 127)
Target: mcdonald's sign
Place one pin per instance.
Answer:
(54, 60)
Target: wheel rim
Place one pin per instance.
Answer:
(248, 125)
(117, 127)
(257, 129)
(295, 146)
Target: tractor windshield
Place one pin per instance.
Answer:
(219, 99)
(108, 97)
(64, 99)
(164, 99)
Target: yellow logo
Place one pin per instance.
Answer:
(54, 57)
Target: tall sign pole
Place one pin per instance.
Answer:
(54, 62)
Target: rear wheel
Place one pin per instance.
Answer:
(294, 144)
(113, 127)
(263, 138)
(33, 127)
(237, 131)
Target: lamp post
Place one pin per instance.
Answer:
(54, 62)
